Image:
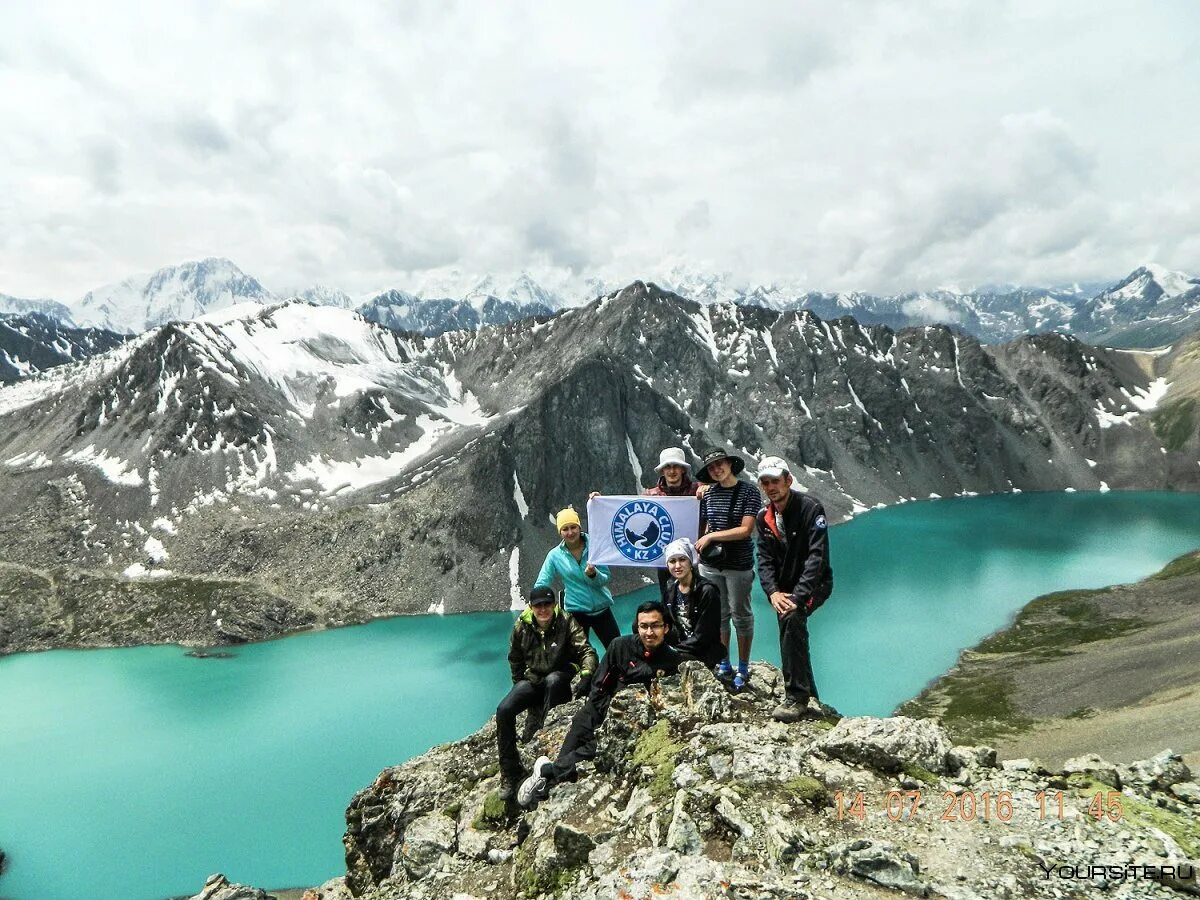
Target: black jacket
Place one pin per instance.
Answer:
(796, 559)
(562, 647)
(628, 662)
(696, 620)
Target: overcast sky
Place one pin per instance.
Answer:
(875, 146)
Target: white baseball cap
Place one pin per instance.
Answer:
(772, 467)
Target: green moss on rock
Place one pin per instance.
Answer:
(656, 749)
(809, 790)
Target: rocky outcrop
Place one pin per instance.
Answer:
(698, 794)
(218, 887)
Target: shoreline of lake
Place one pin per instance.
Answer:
(202, 649)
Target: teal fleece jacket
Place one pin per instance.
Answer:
(582, 594)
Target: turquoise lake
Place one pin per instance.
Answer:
(134, 773)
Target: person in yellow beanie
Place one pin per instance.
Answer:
(585, 587)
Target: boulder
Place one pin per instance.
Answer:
(959, 759)
(882, 863)
(682, 834)
(1094, 766)
(887, 745)
(1160, 771)
(426, 839)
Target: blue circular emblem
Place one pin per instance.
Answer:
(641, 530)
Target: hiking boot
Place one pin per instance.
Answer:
(508, 786)
(533, 724)
(533, 788)
(741, 679)
(723, 670)
(788, 711)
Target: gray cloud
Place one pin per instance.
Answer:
(697, 218)
(858, 146)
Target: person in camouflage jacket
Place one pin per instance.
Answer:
(546, 650)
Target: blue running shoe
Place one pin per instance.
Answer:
(742, 678)
(723, 669)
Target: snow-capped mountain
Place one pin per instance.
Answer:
(298, 463)
(35, 342)
(520, 289)
(172, 294)
(327, 296)
(20, 306)
(431, 316)
(1149, 308)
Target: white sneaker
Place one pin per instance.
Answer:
(533, 788)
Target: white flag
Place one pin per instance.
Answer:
(635, 531)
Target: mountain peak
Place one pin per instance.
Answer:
(183, 291)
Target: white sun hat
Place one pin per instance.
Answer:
(672, 456)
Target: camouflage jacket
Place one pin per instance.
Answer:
(562, 647)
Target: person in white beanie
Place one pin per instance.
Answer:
(694, 604)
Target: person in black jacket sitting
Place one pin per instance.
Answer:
(793, 567)
(636, 658)
(693, 606)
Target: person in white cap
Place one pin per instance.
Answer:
(794, 570)
(695, 606)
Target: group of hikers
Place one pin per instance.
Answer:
(704, 599)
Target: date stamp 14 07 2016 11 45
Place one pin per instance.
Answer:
(969, 806)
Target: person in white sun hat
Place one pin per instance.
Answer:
(674, 480)
(793, 568)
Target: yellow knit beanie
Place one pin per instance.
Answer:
(566, 517)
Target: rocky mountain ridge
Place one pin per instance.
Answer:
(35, 342)
(695, 793)
(308, 467)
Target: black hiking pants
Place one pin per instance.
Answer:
(580, 742)
(539, 699)
(798, 681)
(603, 623)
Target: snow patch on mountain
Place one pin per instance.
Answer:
(118, 471)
